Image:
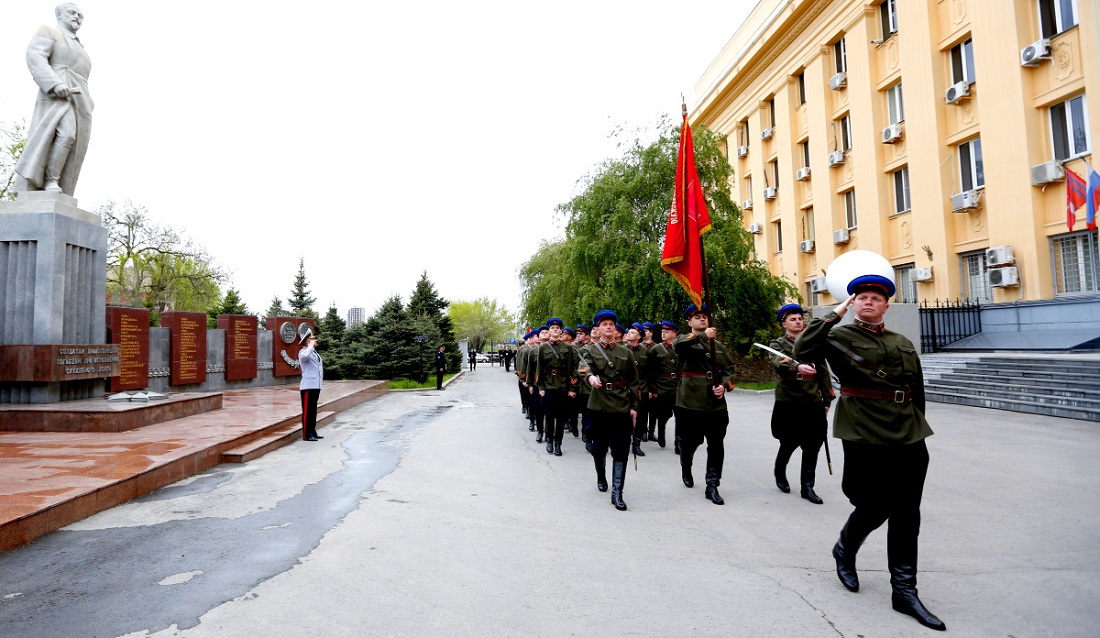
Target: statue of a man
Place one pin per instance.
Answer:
(62, 122)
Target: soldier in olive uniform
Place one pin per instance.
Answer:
(611, 372)
(534, 401)
(880, 419)
(583, 389)
(706, 372)
(802, 399)
(664, 377)
(524, 396)
(557, 386)
(633, 340)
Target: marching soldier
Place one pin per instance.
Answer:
(880, 420)
(633, 341)
(611, 372)
(521, 363)
(706, 371)
(583, 389)
(664, 377)
(802, 399)
(554, 367)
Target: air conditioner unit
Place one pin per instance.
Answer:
(817, 284)
(1034, 53)
(965, 201)
(841, 236)
(957, 91)
(807, 246)
(803, 173)
(766, 134)
(999, 256)
(891, 133)
(838, 81)
(1006, 276)
(743, 151)
(756, 229)
(921, 274)
(836, 158)
(1047, 173)
(770, 192)
(746, 205)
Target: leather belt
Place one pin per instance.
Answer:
(614, 385)
(669, 375)
(553, 371)
(697, 375)
(897, 396)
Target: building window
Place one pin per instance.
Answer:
(773, 168)
(846, 133)
(778, 236)
(745, 137)
(1055, 16)
(808, 224)
(771, 113)
(850, 208)
(748, 188)
(812, 298)
(974, 284)
(840, 56)
(906, 287)
(804, 149)
(901, 191)
(895, 104)
(970, 165)
(888, 14)
(962, 62)
(801, 88)
(1074, 263)
(1069, 128)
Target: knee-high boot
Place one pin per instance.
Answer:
(902, 557)
(601, 471)
(712, 487)
(685, 467)
(808, 488)
(851, 537)
(618, 476)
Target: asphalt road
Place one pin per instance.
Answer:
(436, 514)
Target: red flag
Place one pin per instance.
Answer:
(1075, 196)
(688, 219)
(1092, 198)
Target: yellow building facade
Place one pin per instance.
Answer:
(933, 132)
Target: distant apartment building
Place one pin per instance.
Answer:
(356, 316)
(935, 133)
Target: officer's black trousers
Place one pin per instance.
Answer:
(556, 405)
(799, 425)
(609, 431)
(693, 426)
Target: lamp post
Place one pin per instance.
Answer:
(421, 377)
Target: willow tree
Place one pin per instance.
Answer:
(611, 254)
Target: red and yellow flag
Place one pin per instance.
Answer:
(688, 219)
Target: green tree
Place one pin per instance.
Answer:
(425, 303)
(152, 265)
(12, 140)
(481, 321)
(230, 304)
(383, 346)
(331, 329)
(276, 309)
(610, 256)
(300, 301)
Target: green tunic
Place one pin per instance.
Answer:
(870, 420)
(695, 392)
(791, 389)
(616, 367)
(664, 368)
(555, 365)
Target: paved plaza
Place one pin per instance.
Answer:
(431, 513)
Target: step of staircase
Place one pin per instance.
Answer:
(1013, 405)
(273, 438)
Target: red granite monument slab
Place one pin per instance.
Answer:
(241, 345)
(50, 363)
(186, 347)
(128, 328)
(286, 332)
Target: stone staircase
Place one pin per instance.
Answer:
(1062, 385)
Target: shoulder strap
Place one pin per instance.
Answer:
(860, 361)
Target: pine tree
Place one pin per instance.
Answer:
(274, 310)
(331, 329)
(231, 304)
(425, 303)
(301, 304)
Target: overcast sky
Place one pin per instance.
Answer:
(373, 140)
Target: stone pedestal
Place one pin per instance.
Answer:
(53, 282)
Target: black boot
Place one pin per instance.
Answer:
(644, 436)
(557, 448)
(781, 481)
(601, 472)
(531, 426)
(676, 445)
(573, 429)
(712, 488)
(903, 580)
(661, 434)
(845, 554)
(685, 470)
(538, 439)
(618, 476)
(549, 444)
(638, 449)
(808, 493)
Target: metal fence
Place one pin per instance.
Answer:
(945, 322)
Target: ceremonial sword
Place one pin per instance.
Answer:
(784, 355)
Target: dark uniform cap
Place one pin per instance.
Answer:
(622, 330)
(693, 309)
(637, 326)
(582, 328)
(569, 331)
(554, 320)
(605, 314)
(788, 309)
(877, 283)
(648, 325)
(541, 328)
(671, 326)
